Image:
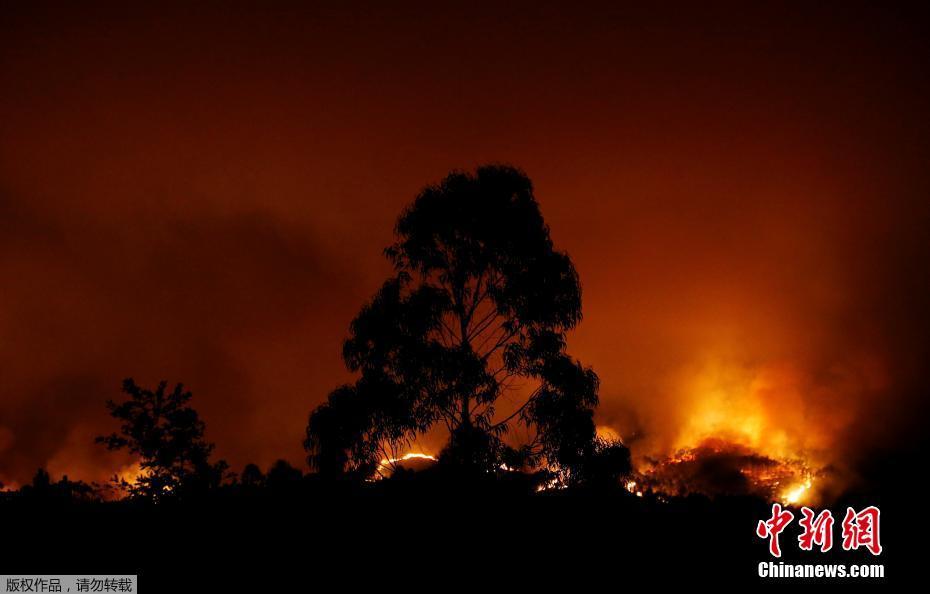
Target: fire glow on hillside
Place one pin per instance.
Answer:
(719, 467)
(734, 432)
(742, 431)
(726, 429)
(387, 466)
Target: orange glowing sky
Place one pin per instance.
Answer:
(203, 196)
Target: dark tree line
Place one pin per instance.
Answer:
(469, 334)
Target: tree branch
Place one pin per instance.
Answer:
(532, 397)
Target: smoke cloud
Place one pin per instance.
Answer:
(203, 196)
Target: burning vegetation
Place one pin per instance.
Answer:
(719, 467)
(713, 468)
(731, 426)
(409, 461)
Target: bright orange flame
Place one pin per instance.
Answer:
(387, 465)
(608, 433)
(798, 493)
(129, 473)
(759, 409)
(408, 456)
(745, 421)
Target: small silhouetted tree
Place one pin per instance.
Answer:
(41, 481)
(607, 462)
(75, 491)
(283, 478)
(252, 477)
(166, 434)
(40, 488)
(478, 307)
(64, 491)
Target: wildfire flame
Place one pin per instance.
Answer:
(720, 467)
(129, 473)
(122, 480)
(409, 456)
(387, 465)
(798, 493)
(732, 430)
(631, 487)
(735, 429)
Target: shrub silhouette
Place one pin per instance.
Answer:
(166, 434)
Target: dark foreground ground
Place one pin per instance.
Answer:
(429, 541)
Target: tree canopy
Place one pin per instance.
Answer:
(469, 332)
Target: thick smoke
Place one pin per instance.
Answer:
(203, 198)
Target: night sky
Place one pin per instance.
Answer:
(202, 196)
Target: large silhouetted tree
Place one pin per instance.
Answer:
(166, 434)
(469, 332)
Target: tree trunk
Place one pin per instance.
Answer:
(466, 415)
